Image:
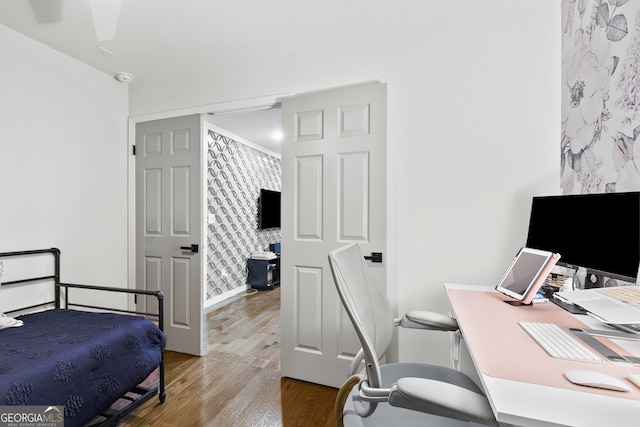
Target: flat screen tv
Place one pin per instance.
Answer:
(269, 209)
(600, 232)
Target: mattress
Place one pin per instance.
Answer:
(82, 360)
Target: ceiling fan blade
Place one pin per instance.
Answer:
(105, 18)
(47, 11)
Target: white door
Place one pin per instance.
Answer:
(168, 223)
(333, 193)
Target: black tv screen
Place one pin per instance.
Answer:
(269, 209)
(600, 232)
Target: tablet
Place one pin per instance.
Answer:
(526, 273)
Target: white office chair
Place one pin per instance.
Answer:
(402, 394)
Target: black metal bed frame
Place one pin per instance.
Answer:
(137, 395)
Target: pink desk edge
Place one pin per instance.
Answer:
(502, 349)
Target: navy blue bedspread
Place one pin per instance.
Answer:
(82, 360)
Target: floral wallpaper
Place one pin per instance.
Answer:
(600, 96)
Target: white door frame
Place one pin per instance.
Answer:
(221, 107)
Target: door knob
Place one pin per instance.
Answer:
(193, 248)
(375, 257)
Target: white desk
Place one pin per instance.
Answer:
(540, 396)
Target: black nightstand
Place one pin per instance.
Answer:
(263, 274)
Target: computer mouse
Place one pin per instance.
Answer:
(596, 379)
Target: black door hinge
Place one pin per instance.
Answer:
(134, 150)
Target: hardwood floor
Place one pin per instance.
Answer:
(237, 382)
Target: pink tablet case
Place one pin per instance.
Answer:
(540, 279)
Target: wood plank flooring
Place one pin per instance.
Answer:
(237, 382)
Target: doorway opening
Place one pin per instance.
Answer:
(134, 266)
(243, 159)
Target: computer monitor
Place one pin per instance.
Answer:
(600, 232)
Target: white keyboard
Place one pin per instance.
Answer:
(558, 343)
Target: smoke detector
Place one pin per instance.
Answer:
(124, 77)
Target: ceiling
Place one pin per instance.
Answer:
(137, 36)
(258, 126)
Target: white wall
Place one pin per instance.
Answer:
(473, 125)
(473, 129)
(63, 160)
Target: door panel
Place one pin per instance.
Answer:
(181, 203)
(152, 198)
(181, 291)
(168, 218)
(309, 198)
(309, 125)
(309, 309)
(354, 196)
(153, 279)
(348, 344)
(354, 120)
(333, 193)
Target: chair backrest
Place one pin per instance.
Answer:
(366, 306)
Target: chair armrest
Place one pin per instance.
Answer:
(441, 398)
(429, 320)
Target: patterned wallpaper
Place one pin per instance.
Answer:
(236, 173)
(600, 103)
(600, 96)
